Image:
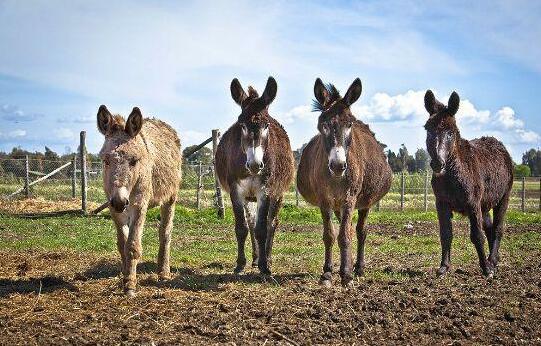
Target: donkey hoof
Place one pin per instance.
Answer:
(254, 263)
(325, 283)
(490, 275)
(359, 270)
(130, 293)
(442, 271)
(164, 276)
(265, 271)
(347, 280)
(238, 270)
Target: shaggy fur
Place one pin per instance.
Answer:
(267, 187)
(366, 180)
(471, 178)
(142, 169)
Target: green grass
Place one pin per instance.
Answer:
(291, 214)
(204, 242)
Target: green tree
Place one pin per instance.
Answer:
(532, 158)
(421, 160)
(204, 155)
(393, 161)
(522, 171)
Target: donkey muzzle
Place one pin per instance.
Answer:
(437, 166)
(255, 167)
(119, 204)
(338, 168)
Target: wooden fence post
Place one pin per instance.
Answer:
(27, 178)
(523, 195)
(219, 198)
(199, 185)
(82, 156)
(426, 190)
(74, 176)
(402, 191)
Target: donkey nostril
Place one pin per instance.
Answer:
(261, 165)
(126, 203)
(344, 166)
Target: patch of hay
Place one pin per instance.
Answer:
(41, 205)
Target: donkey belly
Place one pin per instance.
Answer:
(251, 188)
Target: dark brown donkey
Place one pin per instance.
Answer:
(470, 177)
(341, 169)
(254, 163)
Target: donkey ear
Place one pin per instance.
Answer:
(134, 122)
(354, 92)
(320, 92)
(104, 118)
(237, 93)
(270, 91)
(430, 102)
(454, 102)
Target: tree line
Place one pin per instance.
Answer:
(400, 161)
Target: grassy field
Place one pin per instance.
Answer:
(59, 283)
(59, 190)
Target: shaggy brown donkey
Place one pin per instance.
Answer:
(341, 169)
(470, 177)
(254, 163)
(141, 169)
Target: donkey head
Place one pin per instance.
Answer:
(123, 153)
(336, 121)
(254, 122)
(441, 130)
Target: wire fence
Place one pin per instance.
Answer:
(409, 191)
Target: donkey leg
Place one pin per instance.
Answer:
(250, 218)
(273, 222)
(329, 238)
(446, 236)
(478, 239)
(499, 215)
(241, 228)
(133, 249)
(361, 238)
(489, 230)
(122, 231)
(263, 204)
(167, 212)
(344, 243)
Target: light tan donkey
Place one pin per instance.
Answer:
(142, 169)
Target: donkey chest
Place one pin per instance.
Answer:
(453, 192)
(251, 188)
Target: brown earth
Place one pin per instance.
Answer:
(71, 298)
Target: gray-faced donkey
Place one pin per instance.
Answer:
(142, 169)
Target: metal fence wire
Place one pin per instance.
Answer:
(409, 191)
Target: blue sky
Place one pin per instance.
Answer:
(60, 60)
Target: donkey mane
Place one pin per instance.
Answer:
(334, 95)
(253, 108)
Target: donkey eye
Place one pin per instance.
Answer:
(133, 162)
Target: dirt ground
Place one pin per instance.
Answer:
(72, 298)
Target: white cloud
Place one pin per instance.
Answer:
(191, 137)
(302, 113)
(64, 133)
(17, 133)
(400, 118)
(13, 113)
(506, 117)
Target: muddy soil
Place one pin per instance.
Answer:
(65, 297)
